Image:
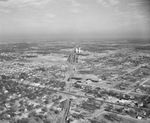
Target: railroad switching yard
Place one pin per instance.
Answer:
(55, 82)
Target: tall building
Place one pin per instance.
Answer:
(73, 57)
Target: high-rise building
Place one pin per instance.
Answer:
(73, 56)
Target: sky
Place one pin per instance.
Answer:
(59, 19)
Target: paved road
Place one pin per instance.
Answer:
(67, 107)
(141, 83)
(130, 71)
(82, 96)
(120, 91)
(145, 81)
(129, 117)
(65, 111)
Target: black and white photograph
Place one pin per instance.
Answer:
(74, 61)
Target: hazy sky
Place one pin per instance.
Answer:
(46, 19)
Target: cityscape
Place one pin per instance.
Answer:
(108, 83)
(74, 61)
